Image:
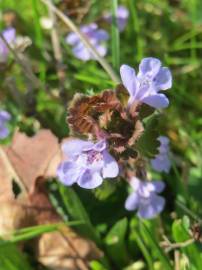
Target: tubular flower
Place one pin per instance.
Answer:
(162, 162)
(4, 118)
(95, 36)
(87, 164)
(121, 16)
(144, 198)
(145, 86)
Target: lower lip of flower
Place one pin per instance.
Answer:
(93, 156)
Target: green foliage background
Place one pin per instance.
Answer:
(170, 30)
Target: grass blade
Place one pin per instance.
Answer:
(115, 37)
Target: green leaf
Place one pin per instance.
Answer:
(115, 37)
(105, 191)
(186, 223)
(148, 143)
(34, 231)
(12, 259)
(95, 265)
(181, 235)
(154, 245)
(116, 244)
(135, 236)
(77, 211)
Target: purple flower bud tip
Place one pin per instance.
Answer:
(9, 35)
(144, 198)
(87, 164)
(145, 86)
(4, 118)
(121, 16)
(161, 162)
(95, 36)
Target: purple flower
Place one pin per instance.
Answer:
(121, 16)
(4, 118)
(145, 86)
(87, 164)
(95, 36)
(9, 35)
(144, 198)
(162, 162)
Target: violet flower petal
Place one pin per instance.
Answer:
(163, 79)
(90, 180)
(68, 173)
(110, 168)
(132, 202)
(129, 80)
(4, 132)
(158, 186)
(157, 101)
(4, 116)
(74, 147)
(149, 209)
(161, 164)
(149, 66)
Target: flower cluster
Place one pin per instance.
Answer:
(113, 122)
(9, 35)
(87, 163)
(95, 36)
(144, 198)
(4, 118)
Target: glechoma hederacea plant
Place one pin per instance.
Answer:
(120, 136)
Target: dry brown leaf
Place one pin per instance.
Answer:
(30, 161)
(28, 158)
(14, 216)
(66, 250)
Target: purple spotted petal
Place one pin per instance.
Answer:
(129, 80)
(111, 168)
(90, 180)
(132, 202)
(69, 173)
(74, 147)
(151, 208)
(157, 101)
(149, 66)
(163, 79)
